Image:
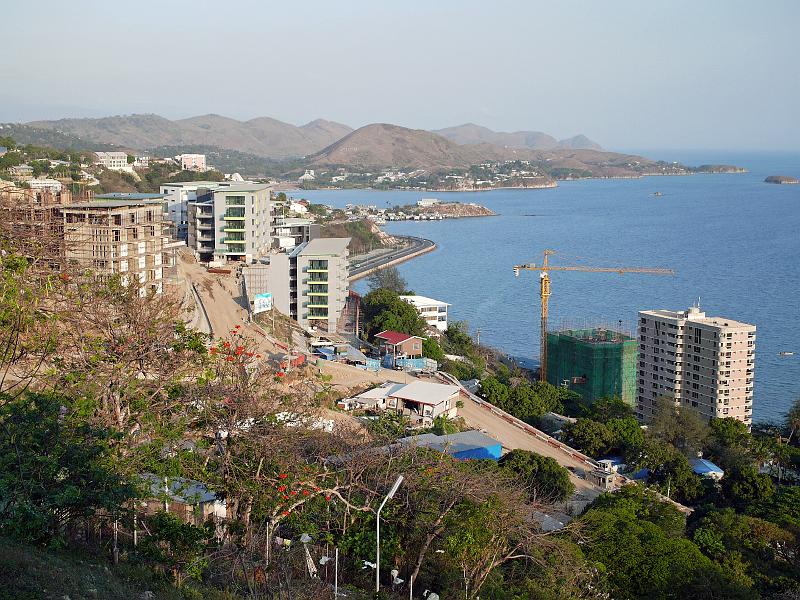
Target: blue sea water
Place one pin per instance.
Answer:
(733, 240)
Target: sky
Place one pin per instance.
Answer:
(713, 74)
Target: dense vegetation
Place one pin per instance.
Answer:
(100, 385)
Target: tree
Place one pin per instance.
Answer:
(431, 349)
(793, 419)
(178, 545)
(388, 278)
(542, 476)
(384, 310)
(592, 437)
(607, 408)
(638, 541)
(744, 485)
(54, 468)
(627, 433)
(681, 427)
(782, 508)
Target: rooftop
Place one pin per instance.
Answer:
(395, 337)
(423, 301)
(129, 196)
(178, 489)
(325, 247)
(241, 187)
(425, 392)
(695, 315)
(453, 443)
(596, 335)
(112, 204)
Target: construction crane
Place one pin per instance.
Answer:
(544, 284)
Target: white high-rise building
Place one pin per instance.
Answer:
(706, 363)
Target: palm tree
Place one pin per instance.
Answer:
(793, 419)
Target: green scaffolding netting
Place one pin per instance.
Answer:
(593, 362)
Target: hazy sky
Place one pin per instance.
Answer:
(629, 74)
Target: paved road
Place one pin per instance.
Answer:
(415, 245)
(513, 437)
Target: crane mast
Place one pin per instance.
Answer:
(545, 293)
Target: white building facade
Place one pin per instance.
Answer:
(433, 311)
(706, 363)
(115, 161)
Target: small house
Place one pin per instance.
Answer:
(399, 344)
(189, 500)
(706, 469)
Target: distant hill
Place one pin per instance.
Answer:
(262, 136)
(382, 145)
(469, 133)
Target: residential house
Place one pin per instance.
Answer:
(22, 171)
(399, 345)
(423, 401)
(189, 500)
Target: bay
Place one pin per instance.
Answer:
(733, 240)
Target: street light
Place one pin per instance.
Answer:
(388, 497)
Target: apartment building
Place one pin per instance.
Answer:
(193, 162)
(242, 220)
(433, 311)
(288, 233)
(116, 161)
(178, 196)
(706, 363)
(310, 283)
(118, 237)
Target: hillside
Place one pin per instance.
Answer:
(470, 133)
(262, 136)
(382, 145)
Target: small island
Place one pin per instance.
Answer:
(718, 169)
(781, 180)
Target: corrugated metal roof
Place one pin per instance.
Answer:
(395, 337)
(425, 392)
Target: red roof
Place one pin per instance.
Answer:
(395, 337)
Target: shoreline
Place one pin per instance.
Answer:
(511, 187)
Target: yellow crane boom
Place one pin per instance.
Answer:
(544, 291)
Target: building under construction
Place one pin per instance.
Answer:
(593, 362)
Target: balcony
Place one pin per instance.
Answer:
(316, 304)
(230, 241)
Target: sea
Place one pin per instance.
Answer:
(733, 241)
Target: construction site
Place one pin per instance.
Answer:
(593, 362)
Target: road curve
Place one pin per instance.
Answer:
(416, 247)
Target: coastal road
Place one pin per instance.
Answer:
(416, 246)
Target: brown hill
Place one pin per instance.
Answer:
(381, 145)
(470, 133)
(262, 136)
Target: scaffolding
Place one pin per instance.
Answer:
(593, 362)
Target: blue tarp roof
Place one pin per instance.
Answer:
(454, 442)
(702, 466)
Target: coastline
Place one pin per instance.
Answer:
(554, 184)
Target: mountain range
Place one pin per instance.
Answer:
(263, 136)
(469, 133)
(273, 139)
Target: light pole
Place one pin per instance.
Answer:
(388, 497)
